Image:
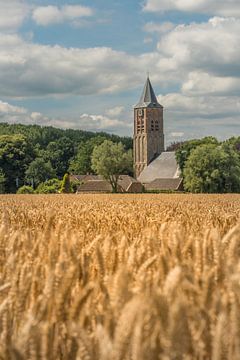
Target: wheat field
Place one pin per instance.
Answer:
(120, 277)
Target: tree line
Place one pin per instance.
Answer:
(32, 155)
(38, 158)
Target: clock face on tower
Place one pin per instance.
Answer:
(140, 113)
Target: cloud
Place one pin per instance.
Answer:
(160, 28)
(7, 110)
(12, 14)
(102, 123)
(201, 83)
(116, 111)
(15, 114)
(28, 70)
(177, 134)
(212, 47)
(200, 106)
(213, 7)
(48, 15)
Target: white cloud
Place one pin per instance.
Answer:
(201, 83)
(100, 122)
(213, 47)
(214, 7)
(177, 134)
(48, 15)
(7, 110)
(15, 114)
(12, 14)
(200, 106)
(161, 28)
(28, 69)
(116, 111)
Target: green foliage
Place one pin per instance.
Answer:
(15, 155)
(2, 182)
(185, 149)
(20, 145)
(59, 153)
(81, 163)
(25, 189)
(51, 186)
(39, 171)
(111, 160)
(66, 184)
(212, 168)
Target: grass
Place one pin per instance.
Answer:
(116, 277)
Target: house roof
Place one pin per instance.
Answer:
(95, 186)
(86, 177)
(163, 167)
(148, 98)
(100, 185)
(164, 184)
(125, 181)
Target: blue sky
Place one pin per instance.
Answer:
(83, 64)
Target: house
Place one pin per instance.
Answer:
(96, 184)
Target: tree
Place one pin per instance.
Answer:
(66, 184)
(2, 182)
(174, 146)
(39, 171)
(110, 160)
(184, 151)
(59, 154)
(15, 155)
(81, 163)
(51, 186)
(212, 169)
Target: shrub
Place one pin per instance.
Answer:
(51, 186)
(25, 189)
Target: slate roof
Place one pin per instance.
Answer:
(148, 98)
(165, 184)
(163, 167)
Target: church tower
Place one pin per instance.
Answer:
(148, 140)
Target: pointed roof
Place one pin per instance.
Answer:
(148, 98)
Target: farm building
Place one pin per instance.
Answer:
(96, 184)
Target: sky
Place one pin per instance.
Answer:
(83, 64)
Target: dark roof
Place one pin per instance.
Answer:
(165, 184)
(148, 98)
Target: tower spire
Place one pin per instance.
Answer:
(148, 98)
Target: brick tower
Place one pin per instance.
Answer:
(148, 140)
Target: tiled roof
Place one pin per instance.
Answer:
(125, 181)
(165, 184)
(95, 186)
(100, 185)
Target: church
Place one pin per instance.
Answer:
(154, 167)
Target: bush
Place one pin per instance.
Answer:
(51, 186)
(66, 187)
(25, 190)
